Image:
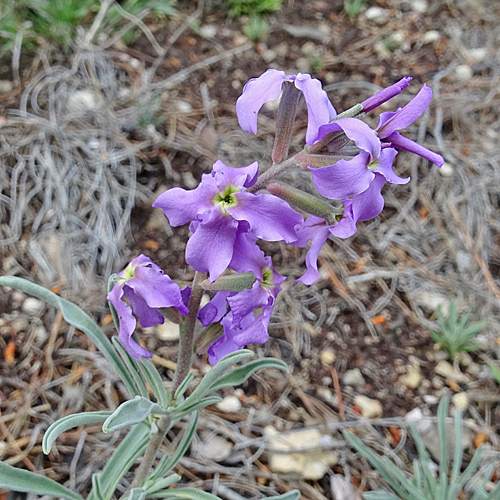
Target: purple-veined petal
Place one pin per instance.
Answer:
(344, 178)
(181, 206)
(270, 218)
(256, 92)
(216, 309)
(239, 177)
(247, 255)
(370, 203)
(362, 135)
(402, 142)
(210, 248)
(147, 315)
(244, 302)
(257, 330)
(319, 233)
(346, 226)
(384, 167)
(319, 108)
(407, 115)
(222, 347)
(384, 95)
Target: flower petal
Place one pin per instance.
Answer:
(247, 255)
(344, 178)
(370, 203)
(319, 108)
(384, 95)
(346, 226)
(402, 142)
(210, 248)
(384, 167)
(215, 310)
(270, 218)
(148, 316)
(237, 176)
(362, 135)
(244, 302)
(256, 92)
(407, 115)
(181, 206)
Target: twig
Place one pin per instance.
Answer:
(99, 18)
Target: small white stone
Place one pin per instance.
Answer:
(208, 31)
(82, 101)
(431, 36)
(464, 72)
(308, 48)
(33, 306)
(269, 55)
(6, 86)
(431, 301)
(446, 170)
(302, 64)
(189, 180)
(354, 378)
(419, 6)
(215, 448)
(461, 400)
(370, 408)
(184, 107)
(447, 371)
(431, 399)
(168, 331)
(135, 63)
(327, 356)
(94, 143)
(478, 54)
(230, 404)
(412, 379)
(377, 15)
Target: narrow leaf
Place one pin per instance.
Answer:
(76, 317)
(131, 412)
(379, 495)
(291, 495)
(97, 490)
(137, 494)
(164, 483)
(184, 493)
(28, 482)
(195, 405)
(153, 378)
(184, 385)
(68, 422)
(243, 373)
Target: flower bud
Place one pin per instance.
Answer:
(231, 283)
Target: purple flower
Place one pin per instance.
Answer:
(267, 87)
(222, 212)
(350, 177)
(390, 122)
(361, 207)
(145, 287)
(384, 95)
(241, 326)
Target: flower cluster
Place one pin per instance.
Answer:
(228, 213)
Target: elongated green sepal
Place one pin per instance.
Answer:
(306, 160)
(307, 202)
(131, 412)
(137, 494)
(68, 422)
(25, 481)
(285, 120)
(230, 283)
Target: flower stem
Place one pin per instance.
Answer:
(273, 172)
(186, 339)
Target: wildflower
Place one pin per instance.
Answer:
(350, 177)
(221, 213)
(385, 94)
(361, 207)
(146, 288)
(267, 87)
(390, 122)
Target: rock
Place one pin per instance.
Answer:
(464, 72)
(309, 48)
(319, 33)
(430, 399)
(370, 408)
(168, 331)
(208, 31)
(342, 489)
(431, 301)
(446, 170)
(354, 378)
(82, 101)
(215, 448)
(282, 49)
(184, 107)
(447, 371)
(33, 306)
(230, 404)
(189, 180)
(461, 400)
(6, 86)
(303, 456)
(431, 36)
(377, 15)
(327, 357)
(420, 6)
(303, 65)
(465, 359)
(269, 55)
(412, 379)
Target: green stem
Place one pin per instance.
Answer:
(273, 172)
(186, 339)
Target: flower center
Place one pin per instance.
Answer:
(267, 276)
(373, 164)
(227, 198)
(129, 273)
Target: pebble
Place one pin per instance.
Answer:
(377, 15)
(184, 107)
(189, 180)
(342, 489)
(431, 301)
(33, 306)
(420, 6)
(20, 324)
(465, 359)
(319, 33)
(168, 331)
(461, 400)
(327, 357)
(230, 404)
(208, 31)
(412, 379)
(370, 408)
(354, 378)
(82, 101)
(464, 73)
(431, 36)
(215, 448)
(6, 86)
(305, 461)
(446, 170)
(309, 48)
(282, 49)
(447, 371)
(302, 64)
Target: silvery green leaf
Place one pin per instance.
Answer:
(28, 482)
(184, 385)
(79, 319)
(243, 373)
(68, 422)
(131, 412)
(291, 495)
(164, 483)
(97, 489)
(153, 378)
(137, 494)
(195, 405)
(379, 495)
(184, 494)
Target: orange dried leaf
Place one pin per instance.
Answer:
(108, 319)
(9, 352)
(360, 265)
(480, 439)
(76, 373)
(453, 385)
(355, 409)
(396, 436)
(423, 213)
(152, 245)
(378, 320)
(56, 289)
